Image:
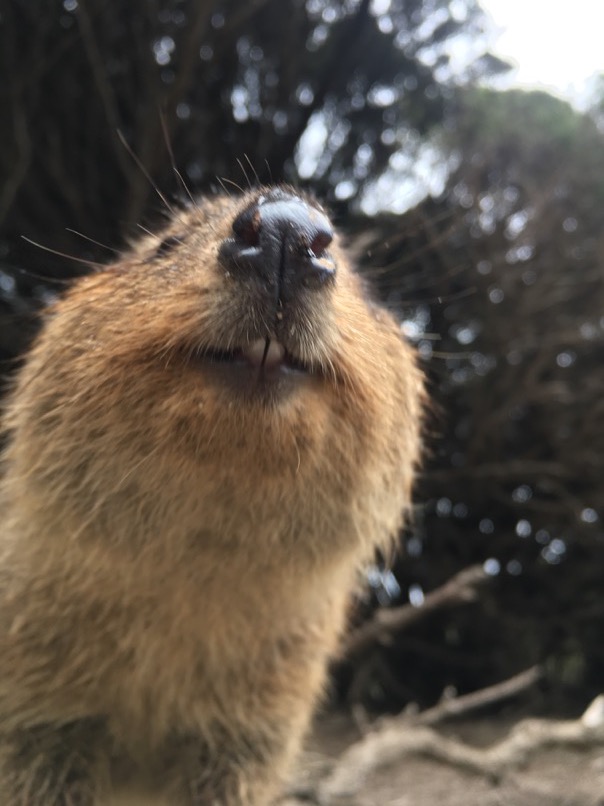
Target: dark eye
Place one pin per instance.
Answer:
(168, 244)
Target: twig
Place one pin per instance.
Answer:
(458, 706)
(462, 588)
(389, 744)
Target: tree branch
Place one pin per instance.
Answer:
(462, 588)
(389, 744)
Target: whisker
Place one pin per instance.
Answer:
(247, 179)
(147, 231)
(230, 182)
(146, 173)
(249, 162)
(51, 281)
(93, 263)
(178, 174)
(92, 240)
(268, 168)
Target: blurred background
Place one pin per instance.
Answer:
(460, 148)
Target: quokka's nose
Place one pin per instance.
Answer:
(284, 240)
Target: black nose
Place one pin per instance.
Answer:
(282, 239)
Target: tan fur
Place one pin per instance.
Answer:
(176, 557)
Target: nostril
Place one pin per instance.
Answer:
(247, 226)
(284, 240)
(320, 242)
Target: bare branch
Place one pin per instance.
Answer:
(396, 739)
(461, 589)
(460, 706)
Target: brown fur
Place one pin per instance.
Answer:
(177, 553)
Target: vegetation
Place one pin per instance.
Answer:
(505, 272)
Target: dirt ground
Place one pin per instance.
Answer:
(555, 776)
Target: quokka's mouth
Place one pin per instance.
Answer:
(264, 355)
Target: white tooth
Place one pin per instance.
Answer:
(255, 351)
(275, 353)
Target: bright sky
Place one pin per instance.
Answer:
(558, 45)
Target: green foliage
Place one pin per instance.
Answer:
(506, 268)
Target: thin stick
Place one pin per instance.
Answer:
(462, 588)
